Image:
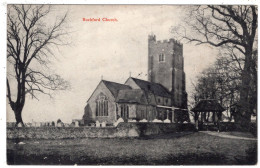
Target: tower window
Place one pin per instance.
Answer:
(161, 57)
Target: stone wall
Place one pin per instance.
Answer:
(146, 129)
(122, 130)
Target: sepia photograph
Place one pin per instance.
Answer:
(125, 84)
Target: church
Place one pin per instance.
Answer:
(162, 97)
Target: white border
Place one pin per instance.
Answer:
(3, 47)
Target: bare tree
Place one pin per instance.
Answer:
(230, 26)
(31, 39)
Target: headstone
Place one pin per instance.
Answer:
(167, 121)
(103, 124)
(157, 121)
(118, 121)
(76, 123)
(131, 120)
(19, 125)
(143, 120)
(60, 124)
(97, 124)
(115, 124)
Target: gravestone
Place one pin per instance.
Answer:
(132, 121)
(167, 121)
(19, 125)
(103, 124)
(76, 123)
(97, 124)
(143, 121)
(157, 121)
(118, 121)
(60, 124)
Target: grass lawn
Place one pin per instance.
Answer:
(172, 149)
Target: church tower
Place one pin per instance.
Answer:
(166, 66)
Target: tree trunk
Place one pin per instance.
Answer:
(18, 117)
(243, 115)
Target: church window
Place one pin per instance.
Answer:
(124, 111)
(142, 114)
(161, 57)
(127, 111)
(102, 106)
(106, 107)
(97, 109)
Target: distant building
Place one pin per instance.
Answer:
(162, 97)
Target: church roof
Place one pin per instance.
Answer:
(115, 87)
(155, 88)
(208, 106)
(131, 96)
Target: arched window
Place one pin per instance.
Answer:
(124, 111)
(102, 105)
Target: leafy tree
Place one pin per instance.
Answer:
(31, 38)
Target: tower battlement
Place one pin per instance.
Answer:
(152, 37)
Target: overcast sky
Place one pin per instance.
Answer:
(111, 50)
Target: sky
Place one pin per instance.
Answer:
(110, 50)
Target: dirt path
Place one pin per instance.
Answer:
(219, 134)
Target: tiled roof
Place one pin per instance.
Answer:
(115, 87)
(155, 88)
(131, 96)
(208, 106)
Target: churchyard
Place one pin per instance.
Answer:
(179, 148)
